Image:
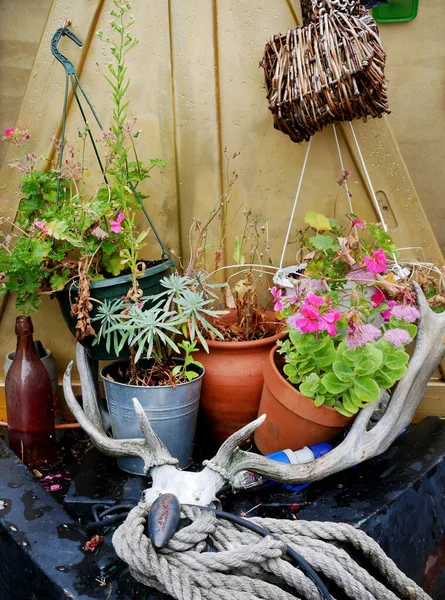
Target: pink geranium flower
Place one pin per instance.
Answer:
(41, 225)
(356, 222)
(378, 298)
(9, 133)
(328, 322)
(311, 319)
(378, 262)
(314, 300)
(116, 226)
(276, 294)
(386, 314)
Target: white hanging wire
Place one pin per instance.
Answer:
(295, 203)
(345, 182)
(374, 199)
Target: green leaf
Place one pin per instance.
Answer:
(342, 410)
(319, 400)
(325, 358)
(317, 220)
(343, 371)
(290, 370)
(383, 239)
(397, 360)
(113, 264)
(323, 243)
(349, 404)
(191, 375)
(395, 374)
(366, 389)
(238, 255)
(365, 367)
(384, 379)
(157, 162)
(333, 384)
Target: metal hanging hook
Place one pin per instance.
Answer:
(67, 64)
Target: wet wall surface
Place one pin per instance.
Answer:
(397, 498)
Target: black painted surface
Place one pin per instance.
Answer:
(396, 498)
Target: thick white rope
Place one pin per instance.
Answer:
(303, 169)
(246, 566)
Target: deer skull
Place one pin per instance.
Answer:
(361, 443)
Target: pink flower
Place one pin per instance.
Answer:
(116, 226)
(386, 314)
(41, 225)
(378, 262)
(16, 136)
(360, 335)
(311, 320)
(378, 298)
(405, 312)
(314, 300)
(328, 322)
(9, 133)
(398, 337)
(276, 294)
(356, 222)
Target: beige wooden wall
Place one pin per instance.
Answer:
(196, 89)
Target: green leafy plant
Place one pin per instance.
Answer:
(172, 326)
(66, 232)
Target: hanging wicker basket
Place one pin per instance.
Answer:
(328, 70)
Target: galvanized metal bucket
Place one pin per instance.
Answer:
(172, 413)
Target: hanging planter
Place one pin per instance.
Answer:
(331, 69)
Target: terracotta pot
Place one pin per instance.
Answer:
(232, 384)
(293, 420)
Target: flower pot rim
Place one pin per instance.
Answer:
(148, 387)
(309, 410)
(119, 279)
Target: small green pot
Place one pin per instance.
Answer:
(111, 289)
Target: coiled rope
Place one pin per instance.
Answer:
(247, 566)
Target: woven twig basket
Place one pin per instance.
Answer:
(328, 70)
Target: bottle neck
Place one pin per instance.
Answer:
(24, 331)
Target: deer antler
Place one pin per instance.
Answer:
(361, 442)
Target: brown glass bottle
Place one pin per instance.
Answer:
(29, 401)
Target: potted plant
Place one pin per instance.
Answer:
(344, 346)
(167, 385)
(232, 385)
(83, 245)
